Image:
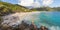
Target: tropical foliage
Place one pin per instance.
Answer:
(6, 8)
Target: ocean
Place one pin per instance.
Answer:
(50, 20)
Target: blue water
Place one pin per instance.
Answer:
(52, 18)
(48, 19)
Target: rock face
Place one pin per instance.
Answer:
(23, 26)
(43, 28)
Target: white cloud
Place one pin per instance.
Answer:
(26, 2)
(36, 3)
(29, 3)
(47, 2)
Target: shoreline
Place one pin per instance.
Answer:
(17, 18)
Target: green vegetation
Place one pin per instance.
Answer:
(56, 8)
(42, 9)
(8, 8)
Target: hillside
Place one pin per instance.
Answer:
(6, 8)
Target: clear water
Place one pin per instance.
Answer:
(48, 19)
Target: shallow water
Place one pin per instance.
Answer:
(48, 19)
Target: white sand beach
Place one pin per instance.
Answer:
(17, 18)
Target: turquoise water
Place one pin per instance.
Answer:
(48, 19)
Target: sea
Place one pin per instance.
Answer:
(50, 20)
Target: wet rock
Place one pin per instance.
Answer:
(43, 28)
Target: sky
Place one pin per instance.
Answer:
(35, 3)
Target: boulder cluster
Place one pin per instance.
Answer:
(23, 26)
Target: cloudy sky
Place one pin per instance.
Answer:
(35, 3)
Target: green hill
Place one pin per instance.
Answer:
(7, 8)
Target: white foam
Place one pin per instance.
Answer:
(54, 28)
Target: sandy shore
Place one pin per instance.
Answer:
(17, 17)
